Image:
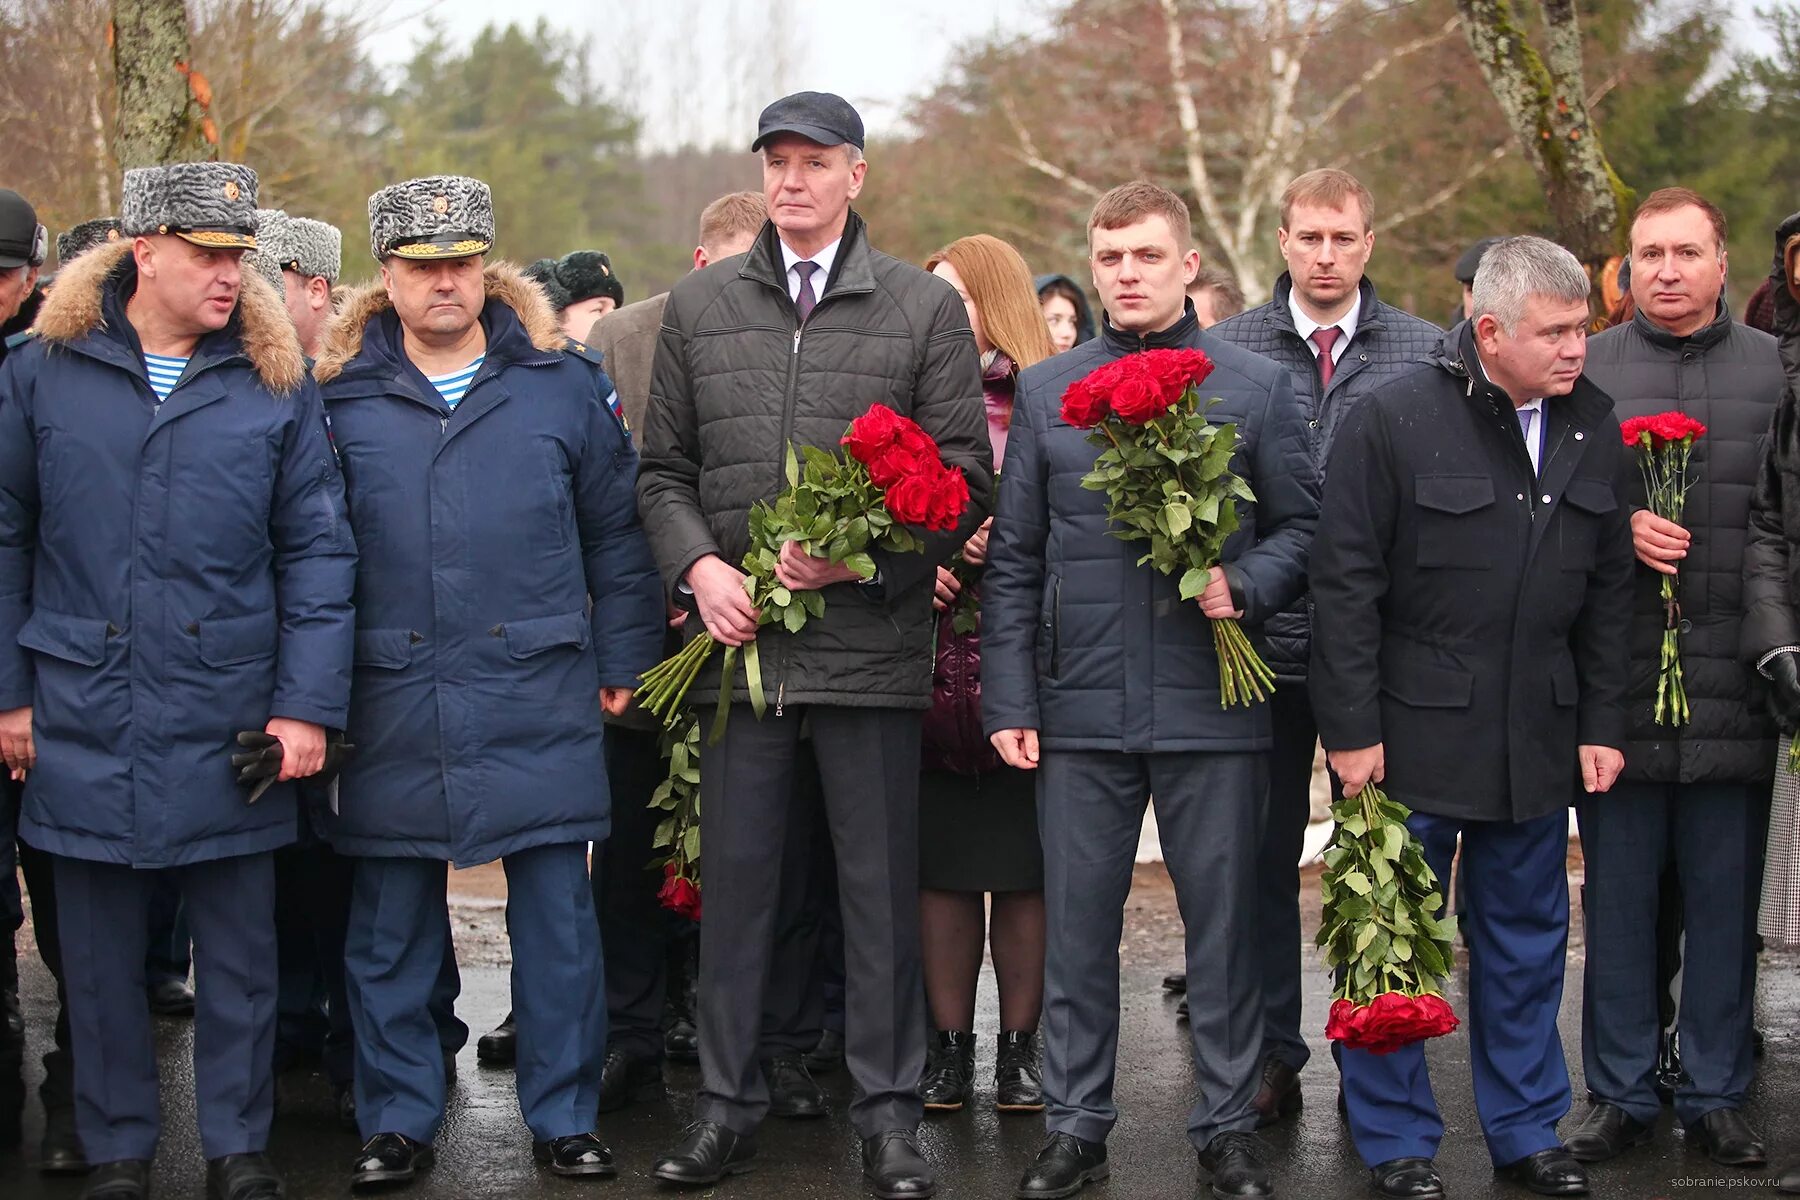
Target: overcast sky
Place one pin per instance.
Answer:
(698, 71)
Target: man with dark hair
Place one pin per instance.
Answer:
(1338, 343)
(1081, 645)
(162, 605)
(1695, 794)
(846, 328)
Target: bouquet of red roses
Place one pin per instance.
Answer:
(891, 482)
(1663, 443)
(1381, 930)
(1166, 472)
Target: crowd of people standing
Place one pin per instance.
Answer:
(309, 593)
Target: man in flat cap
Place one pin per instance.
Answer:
(176, 569)
(494, 624)
(785, 346)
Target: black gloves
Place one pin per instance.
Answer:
(1784, 698)
(260, 765)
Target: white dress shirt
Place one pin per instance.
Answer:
(1345, 324)
(823, 259)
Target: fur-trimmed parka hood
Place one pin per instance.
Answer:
(502, 281)
(76, 307)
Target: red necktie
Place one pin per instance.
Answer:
(1325, 338)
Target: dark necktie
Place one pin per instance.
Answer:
(805, 301)
(1325, 338)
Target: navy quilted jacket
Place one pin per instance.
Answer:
(1387, 343)
(1081, 643)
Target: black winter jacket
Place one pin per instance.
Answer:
(1081, 643)
(1728, 377)
(1772, 558)
(1387, 342)
(1468, 610)
(737, 380)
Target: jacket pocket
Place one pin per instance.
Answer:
(1049, 617)
(1563, 685)
(80, 640)
(227, 641)
(389, 649)
(534, 635)
(1587, 504)
(1450, 509)
(1419, 678)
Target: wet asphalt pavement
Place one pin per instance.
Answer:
(484, 1149)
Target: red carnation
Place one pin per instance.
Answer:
(1390, 1021)
(1674, 426)
(1634, 429)
(1084, 406)
(679, 894)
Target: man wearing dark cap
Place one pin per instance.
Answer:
(23, 243)
(507, 597)
(1466, 267)
(175, 582)
(581, 286)
(808, 331)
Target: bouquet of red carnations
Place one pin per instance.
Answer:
(1381, 930)
(1663, 443)
(1166, 472)
(891, 482)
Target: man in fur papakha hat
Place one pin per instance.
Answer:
(176, 569)
(507, 596)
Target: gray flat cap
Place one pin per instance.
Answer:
(301, 244)
(440, 216)
(207, 203)
(86, 236)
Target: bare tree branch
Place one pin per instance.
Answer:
(1446, 193)
(1027, 153)
(1375, 70)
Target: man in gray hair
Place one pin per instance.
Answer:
(1470, 575)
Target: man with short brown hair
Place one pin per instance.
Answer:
(1216, 296)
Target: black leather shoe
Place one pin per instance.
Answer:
(1787, 1179)
(500, 1046)
(1606, 1132)
(1279, 1095)
(681, 1042)
(1552, 1172)
(828, 1055)
(627, 1080)
(1236, 1170)
(243, 1177)
(1018, 1079)
(60, 1151)
(706, 1153)
(792, 1092)
(171, 998)
(389, 1160)
(1063, 1167)
(579, 1154)
(1175, 981)
(128, 1179)
(894, 1169)
(949, 1071)
(1728, 1139)
(1407, 1179)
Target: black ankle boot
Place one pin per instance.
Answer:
(1018, 1080)
(949, 1071)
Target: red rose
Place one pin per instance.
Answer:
(949, 500)
(1141, 395)
(1177, 370)
(679, 894)
(872, 433)
(895, 463)
(1389, 1021)
(909, 499)
(1083, 406)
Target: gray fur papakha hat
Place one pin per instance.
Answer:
(439, 216)
(259, 259)
(85, 237)
(301, 244)
(210, 204)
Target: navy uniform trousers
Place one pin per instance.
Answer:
(1209, 811)
(1714, 833)
(230, 906)
(394, 952)
(1517, 930)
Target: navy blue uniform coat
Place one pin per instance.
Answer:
(504, 580)
(169, 575)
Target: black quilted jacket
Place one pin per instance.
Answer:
(1386, 343)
